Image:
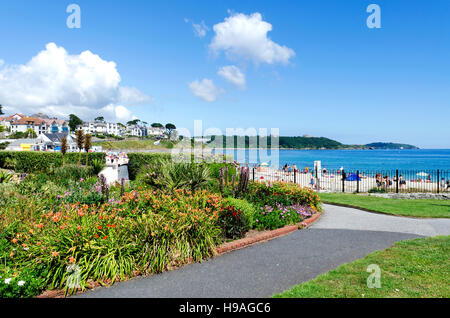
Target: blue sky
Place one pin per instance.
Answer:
(345, 81)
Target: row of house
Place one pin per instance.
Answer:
(95, 127)
(22, 123)
(46, 142)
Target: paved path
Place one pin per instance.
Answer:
(340, 236)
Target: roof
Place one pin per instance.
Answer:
(56, 137)
(28, 120)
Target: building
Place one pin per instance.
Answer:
(52, 142)
(101, 128)
(39, 125)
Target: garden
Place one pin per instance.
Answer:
(64, 228)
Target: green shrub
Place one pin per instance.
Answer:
(378, 190)
(3, 145)
(139, 160)
(277, 216)
(73, 172)
(97, 165)
(5, 176)
(286, 194)
(233, 222)
(25, 284)
(248, 210)
(166, 174)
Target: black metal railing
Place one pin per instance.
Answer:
(355, 180)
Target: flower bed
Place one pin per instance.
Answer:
(74, 231)
(143, 232)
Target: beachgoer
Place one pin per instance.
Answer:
(312, 181)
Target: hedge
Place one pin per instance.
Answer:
(42, 162)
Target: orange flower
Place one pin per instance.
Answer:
(79, 227)
(14, 240)
(96, 236)
(54, 254)
(72, 260)
(39, 243)
(106, 237)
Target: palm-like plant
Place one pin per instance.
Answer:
(87, 146)
(80, 143)
(5, 176)
(183, 175)
(63, 148)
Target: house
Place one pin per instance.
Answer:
(39, 125)
(100, 128)
(52, 142)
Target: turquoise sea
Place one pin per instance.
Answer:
(418, 159)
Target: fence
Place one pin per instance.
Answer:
(397, 181)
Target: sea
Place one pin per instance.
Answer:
(352, 160)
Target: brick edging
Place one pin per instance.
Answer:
(238, 244)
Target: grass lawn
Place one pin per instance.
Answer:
(409, 269)
(415, 208)
(145, 144)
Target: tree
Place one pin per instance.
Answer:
(74, 121)
(157, 125)
(63, 147)
(100, 119)
(87, 146)
(170, 128)
(30, 133)
(80, 143)
(1, 111)
(133, 122)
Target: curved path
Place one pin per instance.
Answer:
(340, 236)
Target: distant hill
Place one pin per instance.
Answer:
(306, 142)
(310, 143)
(389, 145)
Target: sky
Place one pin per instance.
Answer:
(305, 67)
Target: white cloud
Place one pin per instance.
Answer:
(119, 113)
(200, 30)
(1, 62)
(233, 75)
(205, 90)
(243, 36)
(58, 83)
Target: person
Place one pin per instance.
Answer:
(429, 178)
(312, 181)
(401, 181)
(443, 184)
(294, 168)
(324, 171)
(379, 180)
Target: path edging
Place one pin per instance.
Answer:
(238, 244)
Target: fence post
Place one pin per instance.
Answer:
(343, 181)
(357, 181)
(438, 180)
(396, 181)
(253, 171)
